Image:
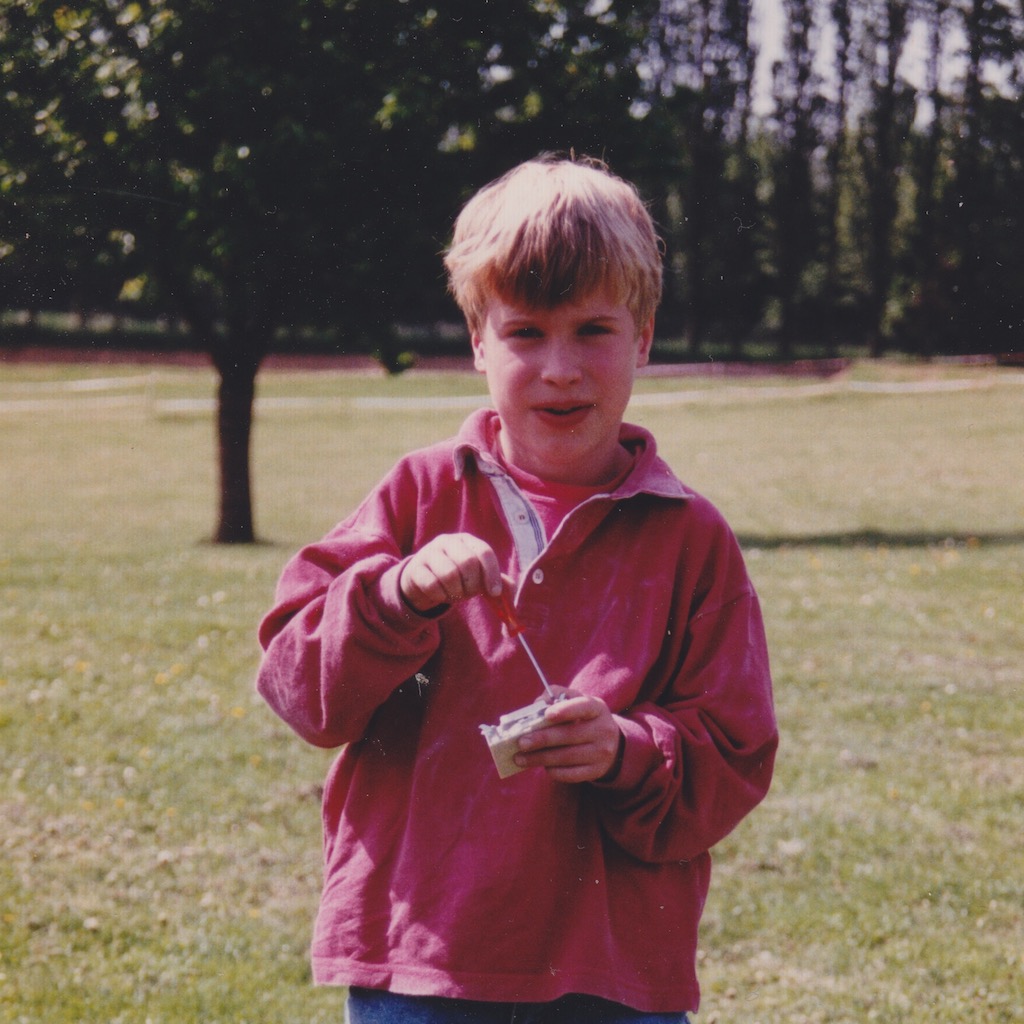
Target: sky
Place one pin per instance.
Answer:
(768, 25)
(768, 30)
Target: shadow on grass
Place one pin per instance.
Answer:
(880, 539)
(748, 541)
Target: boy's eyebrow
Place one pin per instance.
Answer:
(518, 322)
(609, 320)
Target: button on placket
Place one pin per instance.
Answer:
(537, 576)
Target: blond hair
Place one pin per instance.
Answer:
(551, 231)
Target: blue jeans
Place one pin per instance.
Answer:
(369, 1006)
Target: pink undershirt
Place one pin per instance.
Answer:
(554, 501)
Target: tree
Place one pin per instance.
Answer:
(241, 175)
(280, 165)
(835, 154)
(928, 307)
(798, 103)
(700, 65)
(983, 205)
(883, 129)
(55, 247)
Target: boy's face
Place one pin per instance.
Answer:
(561, 379)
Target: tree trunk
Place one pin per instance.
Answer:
(235, 394)
(927, 259)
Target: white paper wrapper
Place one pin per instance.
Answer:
(503, 738)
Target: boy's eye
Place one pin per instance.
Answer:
(592, 329)
(525, 332)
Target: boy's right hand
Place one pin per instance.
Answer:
(449, 568)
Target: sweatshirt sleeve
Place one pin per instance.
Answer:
(340, 639)
(699, 757)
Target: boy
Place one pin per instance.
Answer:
(570, 890)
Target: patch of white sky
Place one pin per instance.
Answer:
(768, 30)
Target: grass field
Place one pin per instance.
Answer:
(159, 829)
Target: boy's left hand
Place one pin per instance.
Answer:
(580, 743)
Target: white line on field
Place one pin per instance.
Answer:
(82, 384)
(730, 394)
(924, 386)
(76, 396)
(423, 403)
(52, 405)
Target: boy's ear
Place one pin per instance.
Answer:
(645, 341)
(478, 351)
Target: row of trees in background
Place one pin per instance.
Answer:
(870, 199)
(286, 168)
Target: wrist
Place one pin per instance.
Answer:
(613, 772)
(424, 613)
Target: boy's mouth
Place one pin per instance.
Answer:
(566, 410)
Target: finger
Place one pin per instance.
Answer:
(559, 738)
(576, 709)
(450, 576)
(453, 564)
(449, 568)
(423, 588)
(586, 773)
(493, 581)
(472, 568)
(573, 758)
(425, 581)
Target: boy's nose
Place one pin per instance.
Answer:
(561, 364)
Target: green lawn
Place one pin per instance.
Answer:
(159, 829)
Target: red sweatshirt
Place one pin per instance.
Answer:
(441, 878)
